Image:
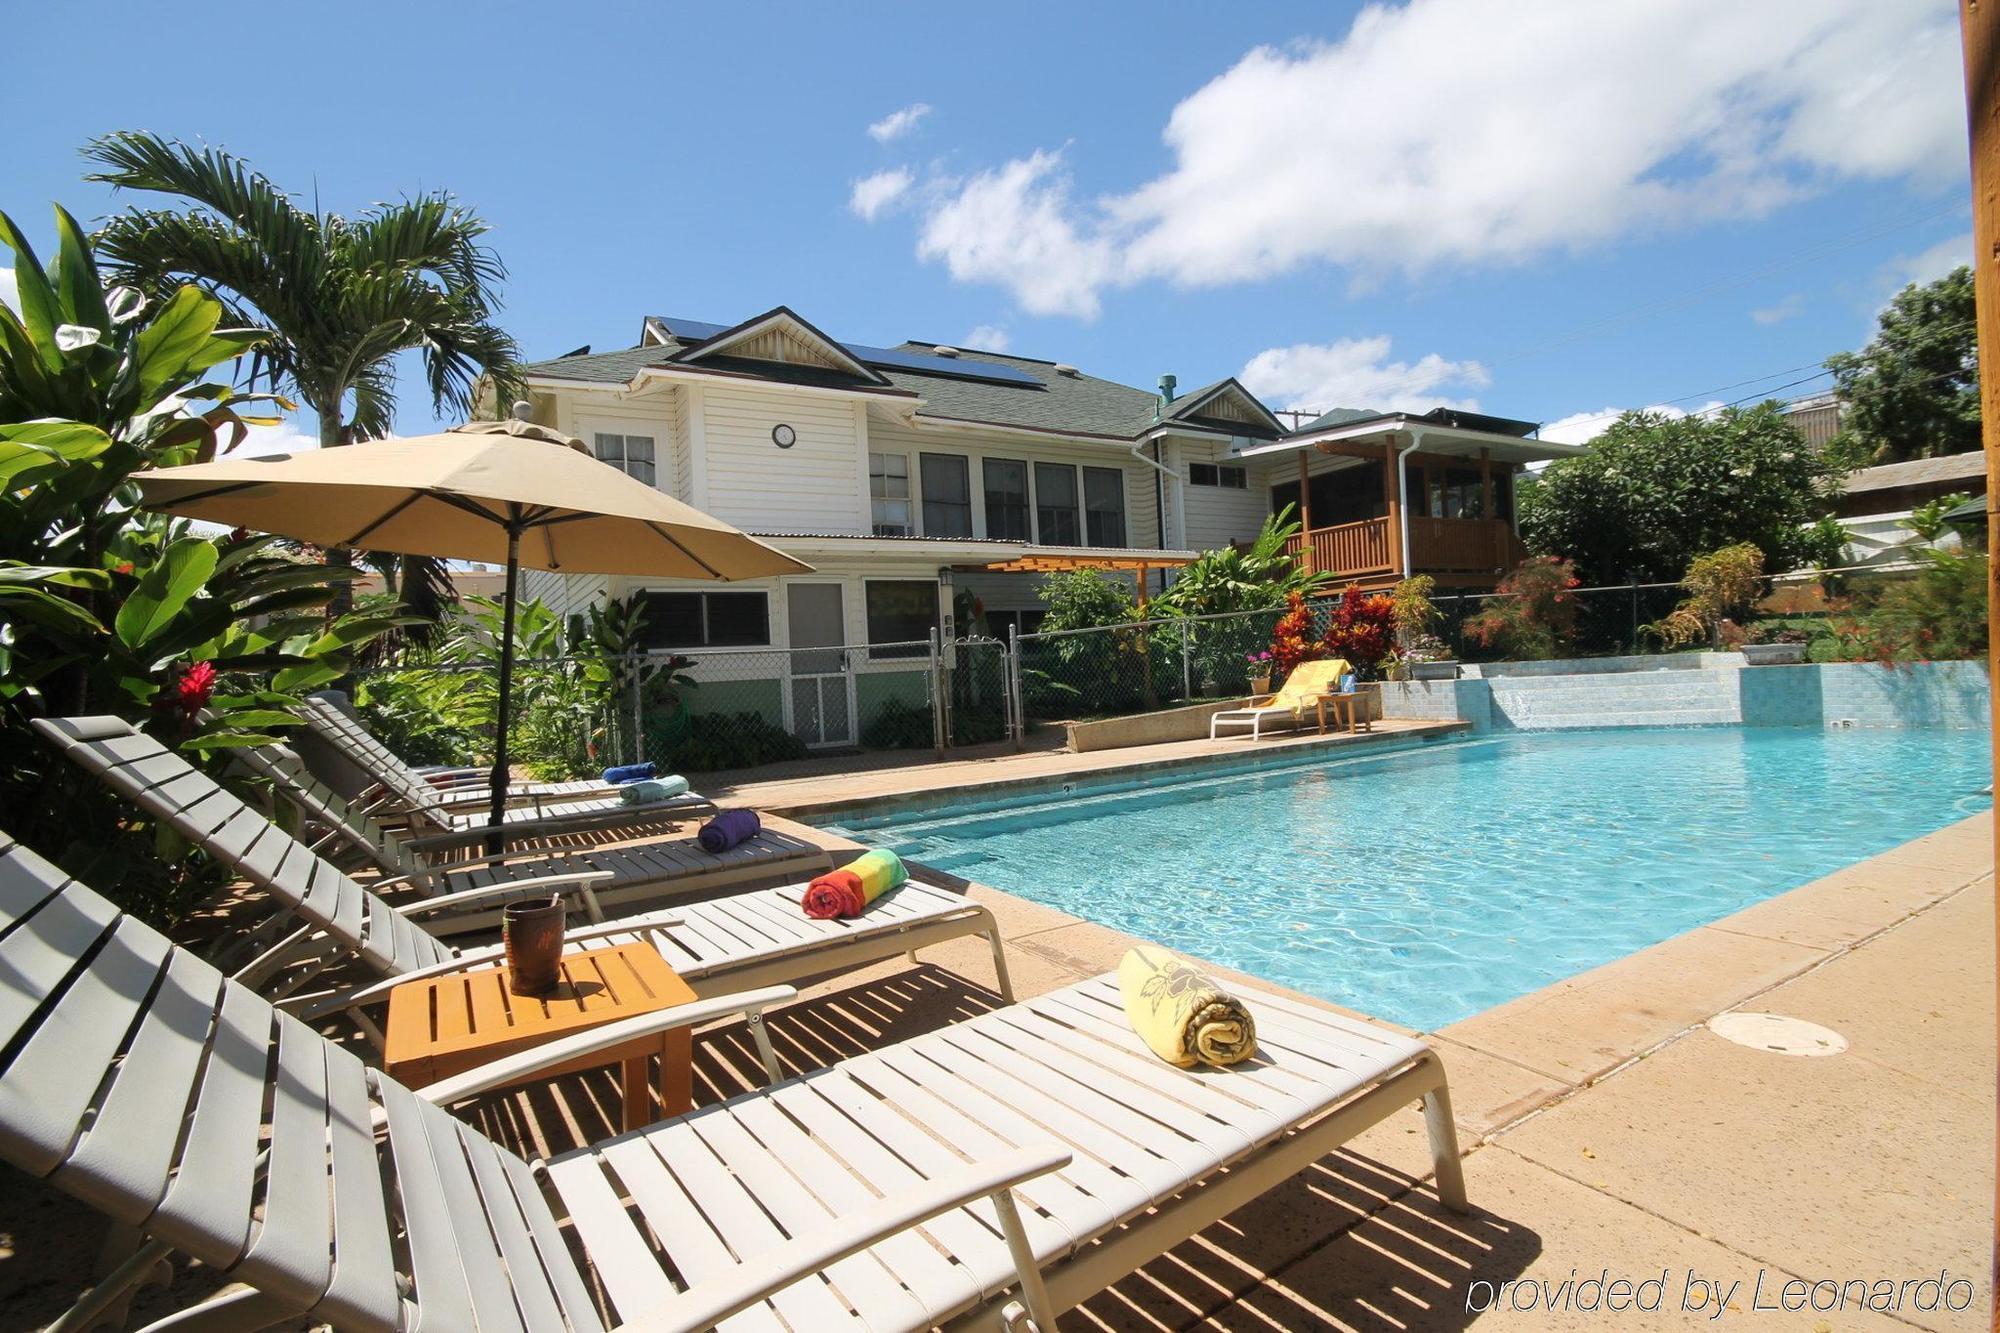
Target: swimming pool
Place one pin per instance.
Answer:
(1427, 884)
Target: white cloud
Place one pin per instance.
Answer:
(898, 123)
(1356, 372)
(1777, 313)
(284, 438)
(10, 295)
(987, 338)
(1466, 133)
(874, 193)
(1013, 227)
(1583, 427)
(1930, 265)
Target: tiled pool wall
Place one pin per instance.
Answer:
(1698, 689)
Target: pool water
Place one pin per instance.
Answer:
(1426, 885)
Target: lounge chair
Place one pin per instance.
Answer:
(1304, 688)
(323, 916)
(992, 1172)
(167, 787)
(457, 800)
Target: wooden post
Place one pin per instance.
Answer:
(1306, 556)
(1486, 507)
(1979, 27)
(1392, 490)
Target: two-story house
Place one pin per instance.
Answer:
(921, 479)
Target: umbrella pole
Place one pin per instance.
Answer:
(497, 785)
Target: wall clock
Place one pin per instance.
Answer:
(784, 436)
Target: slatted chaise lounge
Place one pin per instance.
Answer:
(881, 1192)
(746, 939)
(456, 800)
(1309, 684)
(626, 876)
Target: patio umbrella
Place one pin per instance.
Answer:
(491, 490)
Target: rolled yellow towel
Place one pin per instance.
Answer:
(1184, 1016)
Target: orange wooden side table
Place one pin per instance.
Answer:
(447, 1025)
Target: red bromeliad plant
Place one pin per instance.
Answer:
(1361, 629)
(1292, 639)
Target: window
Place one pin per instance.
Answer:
(1055, 505)
(1346, 495)
(1223, 475)
(630, 454)
(889, 493)
(1006, 500)
(902, 612)
(705, 620)
(1104, 506)
(947, 496)
(999, 623)
(1453, 492)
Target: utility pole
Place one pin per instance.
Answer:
(1979, 27)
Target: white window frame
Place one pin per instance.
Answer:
(623, 462)
(909, 525)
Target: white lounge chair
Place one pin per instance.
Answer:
(168, 787)
(456, 800)
(1303, 689)
(323, 916)
(995, 1171)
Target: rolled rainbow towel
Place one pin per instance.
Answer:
(1183, 1015)
(624, 773)
(848, 890)
(648, 790)
(728, 828)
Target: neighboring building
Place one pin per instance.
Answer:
(913, 475)
(1817, 417)
(1875, 501)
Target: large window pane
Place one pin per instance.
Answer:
(947, 496)
(1104, 505)
(1055, 505)
(1006, 500)
(705, 620)
(737, 619)
(671, 620)
(889, 492)
(901, 612)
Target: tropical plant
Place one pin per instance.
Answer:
(1260, 576)
(1721, 587)
(1928, 520)
(338, 298)
(206, 640)
(1935, 614)
(1415, 615)
(1654, 491)
(1295, 638)
(1360, 627)
(1913, 391)
(1084, 599)
(1532, 614)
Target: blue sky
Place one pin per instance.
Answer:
(1546, 209)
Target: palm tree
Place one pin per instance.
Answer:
(340, 296)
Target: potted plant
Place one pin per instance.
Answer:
(1429, 659)
(1783, 646)
(1419, 653)
(1260, 671)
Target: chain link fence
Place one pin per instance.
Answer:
(1119, 669)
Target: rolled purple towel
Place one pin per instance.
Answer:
(729, 828)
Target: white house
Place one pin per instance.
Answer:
(910, 477)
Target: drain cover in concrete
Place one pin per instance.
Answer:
(1777, 1034)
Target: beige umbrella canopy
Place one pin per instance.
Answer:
(503, 491)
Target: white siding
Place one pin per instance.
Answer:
(657, 415)
(754, 484)
(1216, 515)
(1141, 522)
(564, 594)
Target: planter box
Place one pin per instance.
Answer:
(1773, 654)
(1434, 670)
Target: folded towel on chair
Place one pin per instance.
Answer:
(624, 773)
(1184, 1016)
(647, 790)
(728, 828)
(849, 890)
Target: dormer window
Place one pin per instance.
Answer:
(630, 454)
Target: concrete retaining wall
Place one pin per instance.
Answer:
(1701, 689)
(1185, 724)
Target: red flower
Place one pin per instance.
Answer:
(123, 567)
(195, 688)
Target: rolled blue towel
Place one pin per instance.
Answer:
(624, 773)
(647, 790)
(729, 828)
(1347, 684)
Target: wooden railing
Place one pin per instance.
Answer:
(1350, 548)
(1437, 546)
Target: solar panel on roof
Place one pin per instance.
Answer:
(694, 330)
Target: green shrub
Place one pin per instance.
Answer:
(732, 740)
(899, 725)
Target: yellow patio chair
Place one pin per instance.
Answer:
(1303, 689)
